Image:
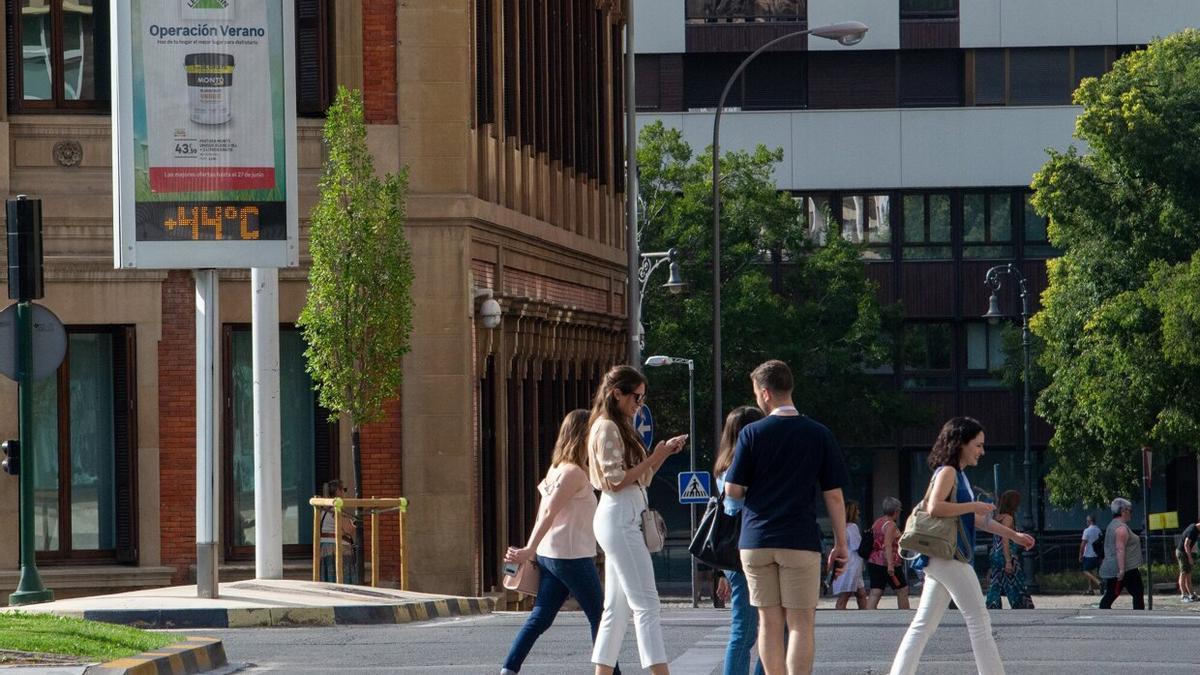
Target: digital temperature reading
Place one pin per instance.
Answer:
(209, 221)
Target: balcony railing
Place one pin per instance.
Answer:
(747, 11)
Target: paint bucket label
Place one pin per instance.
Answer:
(210, 83)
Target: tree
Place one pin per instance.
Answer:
(1121, 315)
(782, 296)
(358, 316)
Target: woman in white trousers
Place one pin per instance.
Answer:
(959, 445)
(619, 467)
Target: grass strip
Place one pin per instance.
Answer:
(91, 640)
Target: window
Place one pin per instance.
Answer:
(852, 79)
(987, 225)
(927, 355)
(84, 505)
(775, 81)
(647, 81)
(1039, 76)
(931, 77)
(985, 354)
(705, 76)
(64, 55)
(1089, 62)
(308, 440)
(927, 227)
(817, 213)
(991, 87)
(924, 9)
(314, 57)
(485, 62)
(1037, 241)
(866, 219)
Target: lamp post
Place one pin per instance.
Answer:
(653, 362)
(846, 33)
(675, 284)
(992, 279)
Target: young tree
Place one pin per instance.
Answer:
(358, 317)
(1122, 312)
(782, 296)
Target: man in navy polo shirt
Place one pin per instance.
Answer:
(779, 465)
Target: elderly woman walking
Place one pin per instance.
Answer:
(885, 568)
(1122, 558)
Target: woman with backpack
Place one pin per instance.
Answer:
(884, 565)
(849, 581)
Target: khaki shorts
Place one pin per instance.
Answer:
(782, 577)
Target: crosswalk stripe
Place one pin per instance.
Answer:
(704, 656)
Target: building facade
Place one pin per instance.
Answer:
(508, 116)
(921, 141)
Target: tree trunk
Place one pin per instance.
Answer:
(360, 564)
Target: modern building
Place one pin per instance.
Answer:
(921, 141)
(509, 117)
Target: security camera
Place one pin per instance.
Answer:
(490, 312)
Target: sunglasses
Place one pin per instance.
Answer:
(638, 398)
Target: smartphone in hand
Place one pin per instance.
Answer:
(511, 568)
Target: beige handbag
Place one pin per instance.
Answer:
(526, 580)
(934, 537)
(654, 529)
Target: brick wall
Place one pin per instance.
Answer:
(382, 477)
(177, 424)
(379, 61)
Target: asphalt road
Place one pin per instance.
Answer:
(1045, 641)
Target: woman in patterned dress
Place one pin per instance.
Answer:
(1007, 578)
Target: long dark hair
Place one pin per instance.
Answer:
(571, 446)
(626, 380)
(955, 433)
(1010, 501)
(735, 421)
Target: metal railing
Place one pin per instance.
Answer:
(746, 11)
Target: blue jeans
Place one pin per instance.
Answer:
(559, 578)
(329, 572)
(743, 627)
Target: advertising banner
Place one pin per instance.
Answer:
(204, 134)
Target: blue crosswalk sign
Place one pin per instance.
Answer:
(694, 487)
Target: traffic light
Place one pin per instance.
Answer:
(12, 457)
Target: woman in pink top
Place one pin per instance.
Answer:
(885, 568)
(562, 543)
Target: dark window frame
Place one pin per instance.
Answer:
(988, 241)
(909, 10)
(926, 242)
(125, 455)
(886, 247)
(17, 103)
(985, 376)
(945, 376)
(1072, 76)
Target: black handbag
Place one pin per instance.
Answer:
(715, 542)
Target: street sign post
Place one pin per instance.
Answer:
(643, 423)
(49, 342)
(695, 487)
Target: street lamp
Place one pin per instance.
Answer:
(655, 362)
(993, 316)
(675, 284)
(846, 33)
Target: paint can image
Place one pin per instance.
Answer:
(210, 85)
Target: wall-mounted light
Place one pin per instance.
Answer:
(490, 310)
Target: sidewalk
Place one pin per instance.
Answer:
(1167, 603)
(257, 603)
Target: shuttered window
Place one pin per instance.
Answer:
(931, 77)
(314, 57)
(1039, 76)
(485, 63)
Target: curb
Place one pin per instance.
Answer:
(195, 655)
(408, 612)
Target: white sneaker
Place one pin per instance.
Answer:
(1185, 598)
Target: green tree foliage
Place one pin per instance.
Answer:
(782, 297)
(358, 317)
(1121, 316)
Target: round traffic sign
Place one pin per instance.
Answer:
(643, 423)
(49, 342)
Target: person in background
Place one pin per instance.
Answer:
(562, 543)
(1183, 554)
(1007, 577)
(1122, 558)
(959, 445)
(885, 568)
(1089, 557)
(620, 468)
(850, 580)
(332, 490)
(743, 619)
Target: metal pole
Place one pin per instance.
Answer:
(718, 406)
(1030, 523)
(632, 290)
(29, 589)
(268, 495)
(1146, 462)
(692, 467)
(207, 318)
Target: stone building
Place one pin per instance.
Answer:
(508, 115)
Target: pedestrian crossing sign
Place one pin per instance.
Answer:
(694, 487)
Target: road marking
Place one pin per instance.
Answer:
(704, 656)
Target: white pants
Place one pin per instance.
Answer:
(628, 580)
(946, 579)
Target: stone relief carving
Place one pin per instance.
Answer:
(68, 153)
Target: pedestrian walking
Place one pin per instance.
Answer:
(562, 543)
(850, 581)
(333, 489)
(1089, 555)
(1183, 554)
(885, 567)
(620, 468)
(743, 618)
(779, 465)
(1122, 558)
(960, 445)
(1007, 578)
